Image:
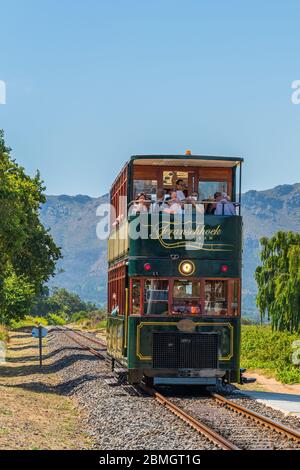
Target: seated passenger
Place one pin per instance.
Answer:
(194, 196)
(160, 203)
(140, 204)
(194, 201)
(224, 206)
(210, 206)
(174, 206)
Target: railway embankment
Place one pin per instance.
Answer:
(75, 402)
(33, 413)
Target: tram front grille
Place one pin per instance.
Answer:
(185, 350)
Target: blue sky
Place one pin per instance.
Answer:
(90, 83)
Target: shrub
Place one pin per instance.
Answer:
(54, 319)
(28, 321)
(101, 324)
(77, 316)
(262, 348)
(90, 319)
(3, 334)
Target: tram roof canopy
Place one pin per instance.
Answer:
(186, 160)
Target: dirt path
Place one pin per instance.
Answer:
(269, 384)
(33, 415)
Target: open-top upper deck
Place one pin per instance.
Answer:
(165, 184)
(153, 175)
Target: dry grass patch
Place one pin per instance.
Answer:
(32, 414)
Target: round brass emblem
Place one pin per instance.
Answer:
(186, 325)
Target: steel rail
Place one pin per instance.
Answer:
(263, 420)
(190, 420)
(93, 340)
(101, 355)
(194, 423)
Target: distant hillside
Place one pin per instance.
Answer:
(265, 212)
(72, 220)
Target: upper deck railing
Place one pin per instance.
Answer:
(208, 207)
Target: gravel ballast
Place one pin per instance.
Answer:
(115, 419)
(118, 419)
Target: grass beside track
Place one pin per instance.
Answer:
(270, 352)
(32, 414)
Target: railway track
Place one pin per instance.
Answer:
(257, 418)
(99, 353)
(181, 412)
(196, 424)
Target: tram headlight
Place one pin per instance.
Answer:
(186, 268)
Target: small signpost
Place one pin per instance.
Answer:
(39, 332)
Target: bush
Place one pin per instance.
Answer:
(101, 324)
(28, 321)
(90, 319)
(262, 348)
(3, 334)
(54, 319)
(78, 316)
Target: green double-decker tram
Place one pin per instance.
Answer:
(174, 274)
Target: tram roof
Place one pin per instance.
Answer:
(186, 160)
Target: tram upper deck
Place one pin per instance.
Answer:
(151, 184)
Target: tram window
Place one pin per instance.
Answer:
(156, 295)
(207, 189)
(235, 298)
(136, 297)
(148, 187)
(216, 294)
(186, 297)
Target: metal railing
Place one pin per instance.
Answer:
(148, 205)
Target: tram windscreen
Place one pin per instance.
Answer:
(216, 294)
(156, 295)
(186, 297)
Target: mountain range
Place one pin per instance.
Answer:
(72, 222)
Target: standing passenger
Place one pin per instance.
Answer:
(179, 190)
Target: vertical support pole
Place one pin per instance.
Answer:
(40, 344)
(126, 317)
(240, 189)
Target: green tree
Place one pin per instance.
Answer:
(28, 253)
(61, 302)
(278, 280)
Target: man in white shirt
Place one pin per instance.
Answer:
(174, 205)
(224, 206)
(179, 190)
